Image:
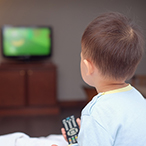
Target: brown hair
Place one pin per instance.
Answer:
(114, 44)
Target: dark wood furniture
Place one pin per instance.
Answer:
(28, 89)
(139, 82)
(90, 92)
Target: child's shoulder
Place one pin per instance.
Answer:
(113, 102)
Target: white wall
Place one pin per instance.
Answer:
(68, 19)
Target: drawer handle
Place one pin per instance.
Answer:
(22, 72)
(29, 72)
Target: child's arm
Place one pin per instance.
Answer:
(93, 133)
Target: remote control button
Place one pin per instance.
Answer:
(72, 131)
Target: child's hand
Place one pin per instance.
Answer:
(79, 122)
(64, 132)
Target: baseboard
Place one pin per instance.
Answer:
(72, 104)
(29, 111)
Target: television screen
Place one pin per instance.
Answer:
(26, 42)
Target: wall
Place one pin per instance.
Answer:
(68, 19)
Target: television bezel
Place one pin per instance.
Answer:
(25, 57)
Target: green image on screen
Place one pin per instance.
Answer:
(27, 41)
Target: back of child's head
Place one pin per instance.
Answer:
(114, 44)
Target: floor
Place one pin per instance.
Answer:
(36, 126)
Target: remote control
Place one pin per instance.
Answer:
(71, 128)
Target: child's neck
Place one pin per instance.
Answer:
(104, 86)
(110, 87)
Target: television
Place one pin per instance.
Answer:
(26, 42)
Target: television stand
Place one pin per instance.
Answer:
(28, 89)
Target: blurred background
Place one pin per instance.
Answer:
(68, 19)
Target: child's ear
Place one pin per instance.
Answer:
(89, 66)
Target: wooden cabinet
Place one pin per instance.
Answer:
(28, 89)
(12, 88)
(41, 87)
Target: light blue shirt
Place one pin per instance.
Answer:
(114, 118)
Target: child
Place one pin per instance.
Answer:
(112, 47)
